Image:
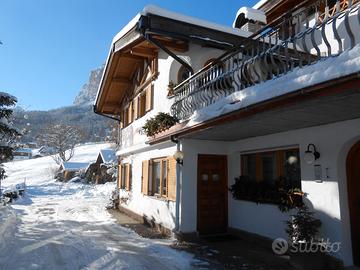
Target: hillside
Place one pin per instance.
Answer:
(81, 114)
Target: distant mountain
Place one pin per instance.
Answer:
(95, 127)
(80, 114)
(88, 91)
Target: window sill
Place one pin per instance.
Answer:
(158, 197)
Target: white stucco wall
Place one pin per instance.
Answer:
(328, 198)
(158, 209)
(133, 143)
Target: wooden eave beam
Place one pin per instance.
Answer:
(173, 45)
(132, 57)
(119, 79)
(143, 52)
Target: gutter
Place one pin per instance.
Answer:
(178, 179)
(103, 114)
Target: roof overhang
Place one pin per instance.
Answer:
(324, 103)
(131, 46)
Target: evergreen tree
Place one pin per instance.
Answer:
(8, 134)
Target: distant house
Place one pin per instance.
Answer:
(69, 169)
(29, 152)
(97, 172)
(22, 153)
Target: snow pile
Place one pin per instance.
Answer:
(330, 68)
(7, 226)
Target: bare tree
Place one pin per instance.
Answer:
(114, 136)
(62, 139)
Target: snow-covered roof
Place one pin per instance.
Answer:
(24, 150)
(155, 10)
(108, 155)
(74, 166)
(260, 3)
(250, 14)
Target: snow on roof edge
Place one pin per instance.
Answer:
(74, 166)
(259, 4)
(251, 14)
(155, 10)
(103, 75)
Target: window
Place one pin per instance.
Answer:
(142, 105)
(183, 74)
(138, 107)
(159, 177)
(164, 178)
(125, 118)
(156, 177)
(280, 167)
(125, 176)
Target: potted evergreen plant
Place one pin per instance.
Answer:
(306, 250)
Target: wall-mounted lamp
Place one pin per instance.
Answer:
(179, 156)
(311, 155)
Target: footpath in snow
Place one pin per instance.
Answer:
(66, 226)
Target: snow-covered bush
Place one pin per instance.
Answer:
(114, 200)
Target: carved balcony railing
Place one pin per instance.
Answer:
(303, 36)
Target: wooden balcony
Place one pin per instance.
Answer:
(303, 36)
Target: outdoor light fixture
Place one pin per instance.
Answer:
(311, 155)
(179, 156)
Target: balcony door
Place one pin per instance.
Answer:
(353, 184)
(212, 194)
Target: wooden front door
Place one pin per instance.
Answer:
(212, 194)
(353, 185)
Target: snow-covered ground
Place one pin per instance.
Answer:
(65, 225)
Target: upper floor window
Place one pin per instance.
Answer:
(138, 107)
(183, 74)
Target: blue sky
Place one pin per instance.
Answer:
(49, 47)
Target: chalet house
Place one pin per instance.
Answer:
(97, 172)
(273, 100)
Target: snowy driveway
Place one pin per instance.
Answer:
(65, 226)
